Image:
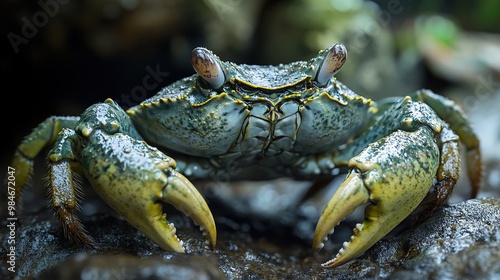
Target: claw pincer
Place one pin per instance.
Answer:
(133, 177)
(393, 193)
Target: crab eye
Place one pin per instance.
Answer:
(207, 66)
(332, 63)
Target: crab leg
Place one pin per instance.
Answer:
(43, 135)
(133, 177)
(393, 174)
(64, 187)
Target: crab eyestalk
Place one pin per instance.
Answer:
(394, 175)
(133, 178)
(206, 65)
(331, 64)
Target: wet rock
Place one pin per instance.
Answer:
(456, 242)
(106, 266)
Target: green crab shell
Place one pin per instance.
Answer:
(188, 122)
(181, 118)
(259, 111)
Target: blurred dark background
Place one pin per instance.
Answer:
(59, 57)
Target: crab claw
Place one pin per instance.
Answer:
(394, 175)
(133, 177)
(180, 193)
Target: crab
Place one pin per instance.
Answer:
(291, 120)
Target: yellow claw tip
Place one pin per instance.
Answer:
(351, 194)
(185, 197)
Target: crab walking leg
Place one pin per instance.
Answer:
(43, 135)
(64, 187)
(393, 174)
(132, 177)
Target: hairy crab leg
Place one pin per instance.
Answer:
(394, 175)
(133, 177)
(42, 136)
(64, 188)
